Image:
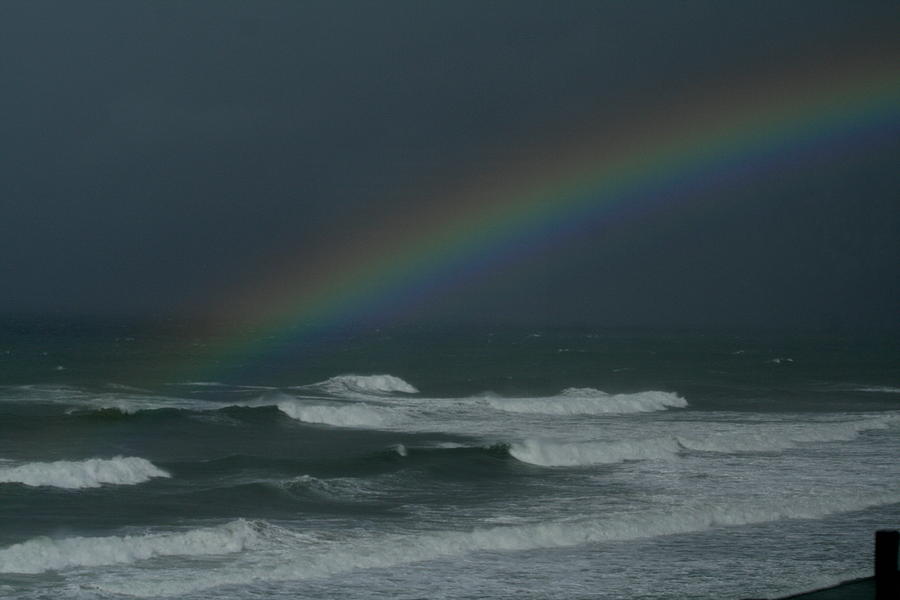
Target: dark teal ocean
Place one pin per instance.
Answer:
(137, 461)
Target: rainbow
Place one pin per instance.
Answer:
(666, 156)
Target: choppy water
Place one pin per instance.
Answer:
(442, 464)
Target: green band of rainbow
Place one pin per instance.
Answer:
(739, 137)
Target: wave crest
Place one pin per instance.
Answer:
(557, 454)
(45, 554)
(350, 415)
(761, 439)
(588, 401)
(547, 453)
(355, 385)
(90, 473)
(387, 551)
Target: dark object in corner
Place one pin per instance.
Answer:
(887, 586)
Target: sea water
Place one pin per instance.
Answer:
(140, 461)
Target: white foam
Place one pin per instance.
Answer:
(223, 387)
(93, 472)
(400, 449)
(766, 438)
(135, 403)
(343, 488)
(124, 400)
(122, 387)
(449, 445)
(588, 401)
(46, 554)
(130, 405)
(740, 438)
(348, 415)
(879, 389)
(297, 562)
(356, 385)
(556, 454)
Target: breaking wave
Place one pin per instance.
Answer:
(763, 439)
(755, 438)
(123, 399)
(135, 404)
(355, 385)
(588, 401)
(89, 473)
(342, 488)
(46, 554)
(302, 562)
(350, 415)
(559, 454)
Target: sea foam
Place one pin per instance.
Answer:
(293, 562)
(558, 454)
(350, 415)
(356, 385)
(123, 399)
(744, 438)
(46, 554)
(763, 438)
(588, 401)
(93, 472)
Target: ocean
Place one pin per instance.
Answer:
(442, 462)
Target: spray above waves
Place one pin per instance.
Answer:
(292, 558)
(588, 401)
(45, 554)
(363, 385)
(89, 473)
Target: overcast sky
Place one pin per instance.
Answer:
(153, 153)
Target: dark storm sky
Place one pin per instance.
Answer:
(152, 153)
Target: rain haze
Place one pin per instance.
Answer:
(158, 155)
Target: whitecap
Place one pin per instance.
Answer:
(347, 415)
(304, 561)
(47, 554)
(747, 438)
(878, 389)
(771, 439)
(365, 385)
(547, 453)
(89, 473)
(589, 401)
